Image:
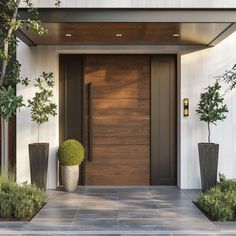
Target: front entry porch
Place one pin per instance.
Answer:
(120, 211)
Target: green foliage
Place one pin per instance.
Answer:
(220, 201)
(57, 3)
(41, 106)
(7, 177)
(229, 78)
(70, 153)
(9, 102)
(211, 107)
(9, 78)
(227, 185)
(24, 208)
(18, 201)
(222, 177)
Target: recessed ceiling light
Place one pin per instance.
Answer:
(119, 35)
(68, 35)
(176, 35)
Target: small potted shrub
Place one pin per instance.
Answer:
(41, 109)
(210, 109)
(70, 155)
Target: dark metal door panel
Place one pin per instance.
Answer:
(163, 120)
(71, 97)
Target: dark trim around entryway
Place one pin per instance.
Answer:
(71, 66)
(71, 100)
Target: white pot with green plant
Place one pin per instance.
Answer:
(41, 108)
(211, 109)
(70, 155)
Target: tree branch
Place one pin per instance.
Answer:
(10, 33)
(1, 3)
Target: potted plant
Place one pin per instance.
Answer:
(70, 155)
(41, 109)
(210, 109)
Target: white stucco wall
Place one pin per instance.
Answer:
(198, 71)
(139, 3)
(34, 61)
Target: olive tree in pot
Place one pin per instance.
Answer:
(70, 155)
(210, 109)
(41, 109)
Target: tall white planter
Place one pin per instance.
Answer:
(70, 177)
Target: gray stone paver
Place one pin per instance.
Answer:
(120, 211)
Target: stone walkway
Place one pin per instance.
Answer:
(120, 211)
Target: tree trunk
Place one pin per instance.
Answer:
(4, 143)
(4, 124)
(10, 33)
(209, 132)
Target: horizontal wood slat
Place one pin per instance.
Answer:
(121, 120)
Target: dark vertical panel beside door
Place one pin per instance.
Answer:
(71, 99)
(163, 120)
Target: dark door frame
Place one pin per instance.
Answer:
(67, 123)
(62, 100)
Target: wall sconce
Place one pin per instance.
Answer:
(186, 107)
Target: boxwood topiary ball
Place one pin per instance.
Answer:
(70, 153)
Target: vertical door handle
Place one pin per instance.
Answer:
(90, 122)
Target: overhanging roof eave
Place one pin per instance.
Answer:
(67, 15)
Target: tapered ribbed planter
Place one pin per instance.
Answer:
(70, 177)
(38, 154)
(208, 158)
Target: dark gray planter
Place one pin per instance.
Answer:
(38, 155)
(208, 158)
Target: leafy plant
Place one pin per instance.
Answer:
(18, 201)
(10, 67)
(222, 177)
(10, 77)
(24, 208)
(220, 201)
(9, 102)
(227, 185)
(7, 177)
(229, 77)
(70, 153)
(41, 105)
(211, 107)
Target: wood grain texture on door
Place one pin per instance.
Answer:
(121, 119)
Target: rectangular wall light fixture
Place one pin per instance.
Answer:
(186, 107)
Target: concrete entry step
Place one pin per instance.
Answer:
(120, 211)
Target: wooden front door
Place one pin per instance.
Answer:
(117, 127)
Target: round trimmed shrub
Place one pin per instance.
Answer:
(70, 153)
